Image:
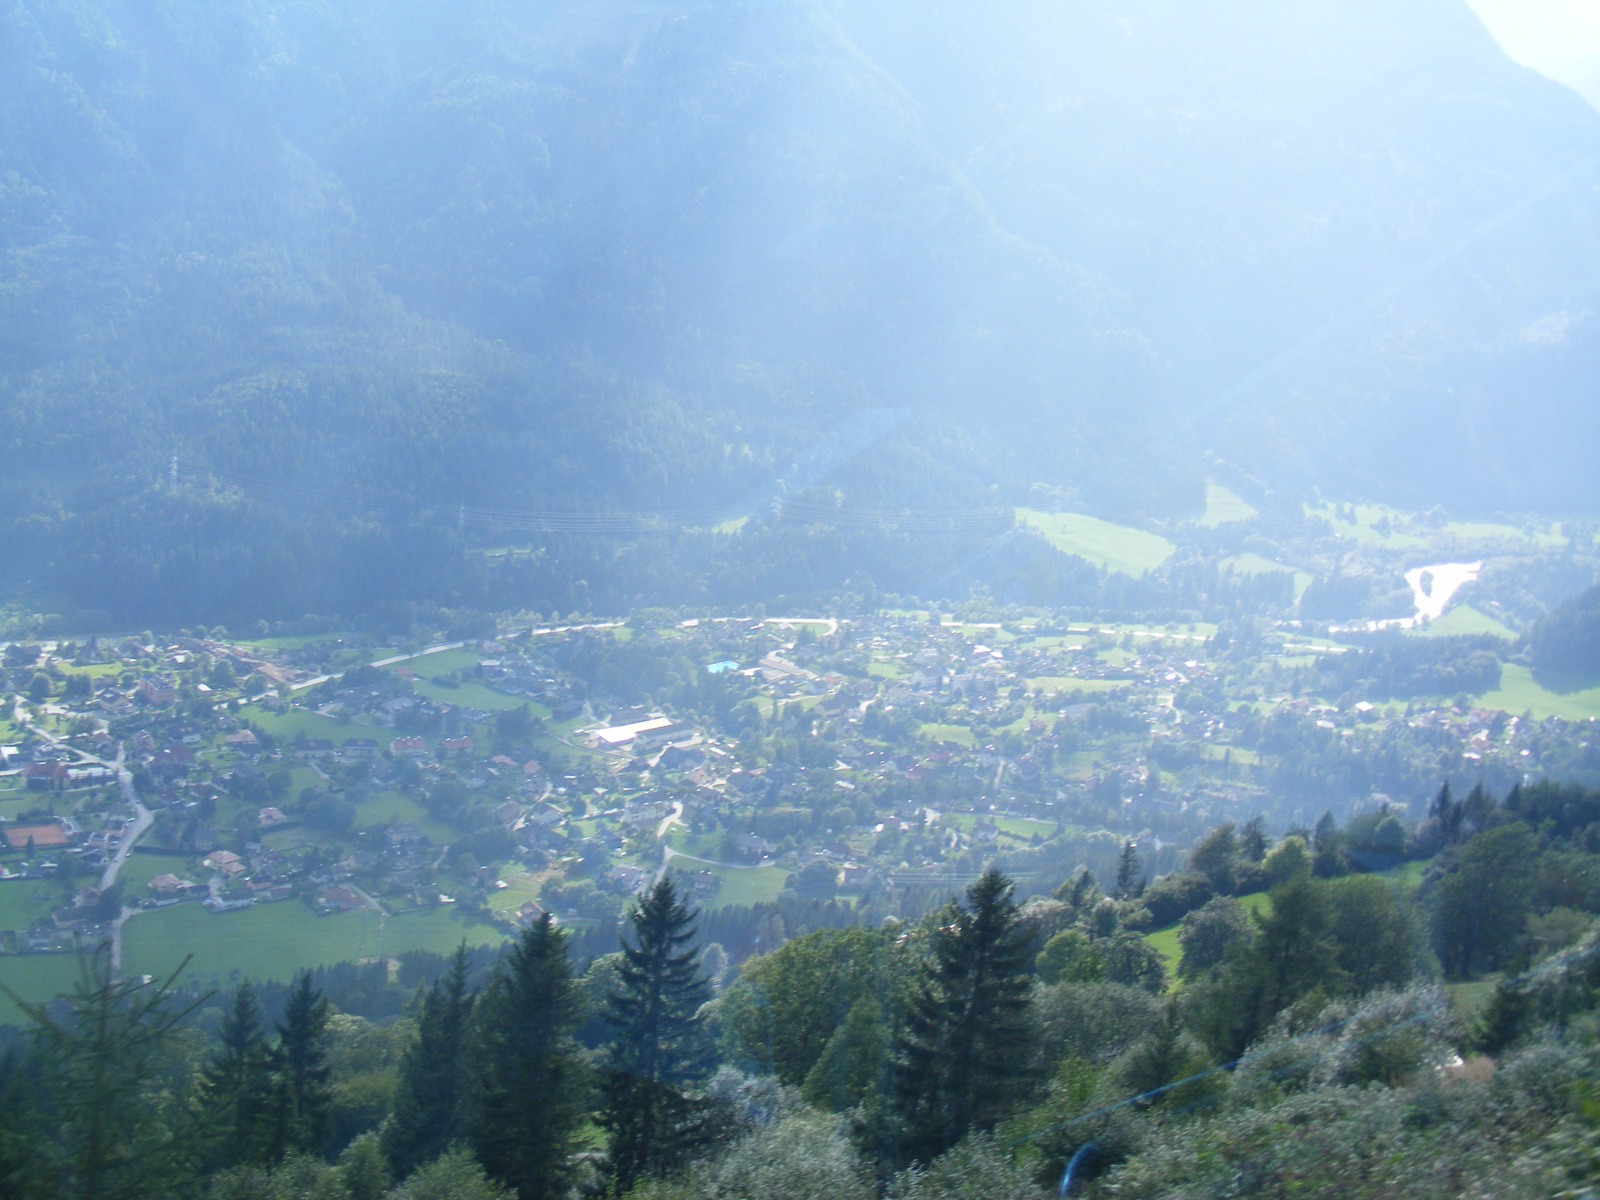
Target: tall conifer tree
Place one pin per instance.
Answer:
(530, 1090)
(1128, 871)
(301, 1100)
(965, 1048)
(234, 1083)
(661, 1045)
(430, 1102)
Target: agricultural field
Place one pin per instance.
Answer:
(1114, 547)
(34, 978)
(273, 941)
(1520, 692)
(475, 695)
(23, 902)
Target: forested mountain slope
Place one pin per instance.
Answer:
(357, 265)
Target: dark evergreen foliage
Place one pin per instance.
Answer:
(1566, 643)
(963, 1054)
(530, 1090)
(1129, 871)
(235, 1084)
(297, 1108)
(661, 1046)
(428, 1112)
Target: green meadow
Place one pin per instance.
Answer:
(1114, 547)
(273, 941)
(740, 885)
(1464, 619)
(1520, 692)
(1222, 506)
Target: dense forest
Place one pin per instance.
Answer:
(1315, 1041)
(1566, 643)
(301, 303)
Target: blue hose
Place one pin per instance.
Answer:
(1075, 1168)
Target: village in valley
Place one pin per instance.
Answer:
(294, 797)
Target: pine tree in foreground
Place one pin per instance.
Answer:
(234, 1084)
(105, 1130)
(661, 1045)
(530, 1085)
(300, 1101)
(430, 1101)
(964, 1052)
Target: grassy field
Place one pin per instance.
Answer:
(35, 978)
(25, 901)
(1223, 506)
(1463, 619)
(1068, 683)
(958, 734)
(138, 870)
(522, 887)
(273, 941)
(442, 663)
(1255, 564)
(1485, 531)
(1363, 529)
(476, 695)
(1166, 940)
(391, 807)
(1407, 875)
(1114, 547)
(294, 642)
(1471, 998)
(1018, 827)
(740, 885)
(1519, 691)
(287, 726)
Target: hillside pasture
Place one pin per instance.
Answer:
(1223, 507)
(1520, 692)
(1113, 547)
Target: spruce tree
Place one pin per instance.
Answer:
(234, 1084)
(300, 1100)
(964, 1051)
(1128, 871)
(661, 1046)
(429, 1102)
(103, 1127)
(528, 1102)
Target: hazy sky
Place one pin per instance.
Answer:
(1546, 35)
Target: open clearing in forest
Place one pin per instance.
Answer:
(1114, 547)
(1520, 692)
(1222, 506)
(1460, 620)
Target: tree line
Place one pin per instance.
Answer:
(989, 1041)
